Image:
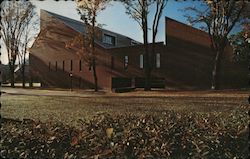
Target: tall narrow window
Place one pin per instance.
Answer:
(49, 66)
(56, 66)
(71, 65)
(158, 60)
(126, 62)
(63, 64)
(80, 65)
(141, 61)
(112, 62)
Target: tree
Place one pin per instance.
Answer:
(241, 45)
(88, 10)
(139, 11)
(30, 24)
(240, 41)
(159, 7)
(15, 19)
(219, 17)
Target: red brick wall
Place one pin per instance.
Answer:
(186, 61)
(184, 32)
(190, 59)
(50, 47)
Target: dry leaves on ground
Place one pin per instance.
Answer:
(171, 134)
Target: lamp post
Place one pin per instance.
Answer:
(71, 76)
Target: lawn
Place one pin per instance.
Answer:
(132, 125)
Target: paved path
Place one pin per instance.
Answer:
(44, 92)
(137, 93)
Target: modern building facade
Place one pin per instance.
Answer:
(184, 62)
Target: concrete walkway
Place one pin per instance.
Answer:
(50, 92)
(137, 93)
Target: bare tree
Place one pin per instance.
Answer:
(159, 7)
(16, 16)
(28, 37)
(88, 10)
(219, 17)
(139, 11)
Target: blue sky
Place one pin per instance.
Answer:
(114, 17)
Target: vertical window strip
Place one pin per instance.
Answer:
(63, 64)
(125, 62)
(71, 65)
(158, 60)
(80, 65)
(56, 66)
(141, 61)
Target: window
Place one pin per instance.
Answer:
(112, 62)
(108, 39)
(126, 62)
(141, 61)
(80, 65)
(63, 64)
(56, 66)
(158, 60)
(71, 65)
(49, 66)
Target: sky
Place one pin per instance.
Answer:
(114, 17)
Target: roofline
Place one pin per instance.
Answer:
(197, 29)
(84, 23)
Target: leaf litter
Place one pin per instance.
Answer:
(170, 134)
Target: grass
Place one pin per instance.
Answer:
(173, 124)
(70, 109)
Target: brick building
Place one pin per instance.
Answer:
(185, 62)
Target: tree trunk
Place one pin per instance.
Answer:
(216, 70)
(23, 68)
(147, 69)
(145, 40)
(12, 78)
(153, 55)
(94, 75)
(23, 73)
(93, 52)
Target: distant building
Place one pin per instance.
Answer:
(185, 62)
